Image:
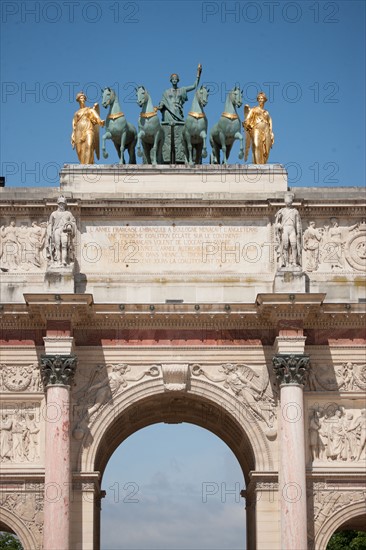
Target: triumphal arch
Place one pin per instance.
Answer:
(206, 294)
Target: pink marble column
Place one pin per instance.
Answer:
(291, 371)
(57, 373)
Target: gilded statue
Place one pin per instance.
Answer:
(85, 130)
(258, 128)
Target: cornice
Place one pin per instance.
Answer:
(266, 313)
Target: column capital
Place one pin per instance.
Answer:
(58, 369)
(291, 369)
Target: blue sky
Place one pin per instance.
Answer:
(173, 487)
(309, 57)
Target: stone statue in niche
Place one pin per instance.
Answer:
(288, 232)
(61, 231)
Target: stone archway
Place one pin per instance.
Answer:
(349, 517)
(12, 523)
(206, 405)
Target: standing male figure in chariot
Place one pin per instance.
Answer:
(171, 107)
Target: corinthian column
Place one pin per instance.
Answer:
(57, 373)
(290, 370)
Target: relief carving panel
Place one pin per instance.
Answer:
(337, 434)
(19, 435)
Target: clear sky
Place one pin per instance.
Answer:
(170, 487)
(309, 58)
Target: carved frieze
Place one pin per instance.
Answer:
(22, 247)
(20, 378)
(337, 434)
(334, 247)
(348, 377)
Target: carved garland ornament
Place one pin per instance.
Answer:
(18, 378)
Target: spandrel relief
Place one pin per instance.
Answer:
(337, 434)
(28, 507)
(251, 387)
(104, 384)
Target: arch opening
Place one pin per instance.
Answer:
(217, 417)
(173, 486)
(351, 534)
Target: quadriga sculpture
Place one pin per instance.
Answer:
(227, 129)
(195, 128)
(150, 133)
(122, 133)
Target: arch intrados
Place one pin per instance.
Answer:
(340, 521)
(166, 408)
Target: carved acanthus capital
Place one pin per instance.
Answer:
(58, 369)
(291, 369)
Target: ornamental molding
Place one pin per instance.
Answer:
(175, 376)
(58, 369)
